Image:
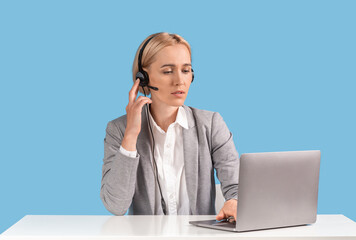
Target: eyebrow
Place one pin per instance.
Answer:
(173, 65)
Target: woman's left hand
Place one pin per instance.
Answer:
(229, 209)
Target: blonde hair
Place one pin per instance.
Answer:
(159, 41)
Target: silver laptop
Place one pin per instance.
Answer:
(276, 189)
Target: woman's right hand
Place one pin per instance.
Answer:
(134, 110)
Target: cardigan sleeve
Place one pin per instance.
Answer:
(225, 157)
(118, 173)
(128, 153)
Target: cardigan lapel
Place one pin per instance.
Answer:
(191, 155)
(145, 148)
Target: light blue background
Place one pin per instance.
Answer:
(281, 73)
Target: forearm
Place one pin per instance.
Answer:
(225, 158)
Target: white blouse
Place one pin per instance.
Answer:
(169, 156)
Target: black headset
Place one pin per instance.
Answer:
(144, 80)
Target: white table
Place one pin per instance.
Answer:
(164, 227)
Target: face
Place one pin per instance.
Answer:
(170, 72)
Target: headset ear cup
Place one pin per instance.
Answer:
(192, 75)
(142, 77)
(145, 80)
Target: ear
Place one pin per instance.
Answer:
(146, 69)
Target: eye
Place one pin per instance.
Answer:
(184, 71)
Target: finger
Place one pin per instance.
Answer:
(142, 102)
(220, 216)
(142, 97)
(134, 90)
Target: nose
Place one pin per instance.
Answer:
(179, 78)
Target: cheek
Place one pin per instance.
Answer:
(158, 78)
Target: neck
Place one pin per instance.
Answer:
(164, 115)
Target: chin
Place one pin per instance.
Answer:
(177, 103)
(173, 102)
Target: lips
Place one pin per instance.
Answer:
(178, 92)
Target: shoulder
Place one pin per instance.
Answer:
(118, 123)
(200, 113)
(203, 117)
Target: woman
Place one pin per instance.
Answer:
(160, 157)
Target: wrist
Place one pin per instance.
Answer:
(232, 198)
(129, 142)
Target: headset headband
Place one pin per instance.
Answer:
(140, 55)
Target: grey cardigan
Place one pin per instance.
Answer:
(129, 183)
